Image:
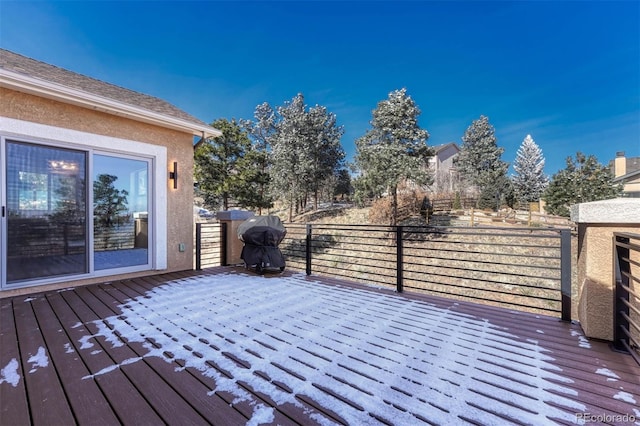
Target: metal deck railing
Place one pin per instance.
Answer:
(210, 245)
(521, 268)
(626, 317)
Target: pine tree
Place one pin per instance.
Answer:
(342, 186)
(110, 205)
(583, 180)
(222, 165)
(394, 149)
(325, 153)
(251, 191)
(261, 131)
(306, 150)
(479, 162)
(529, 181)
(287, 150)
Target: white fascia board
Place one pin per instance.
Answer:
(23, 83)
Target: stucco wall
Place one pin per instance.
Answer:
(595, 272)
(597, 221)
(179, 147)
(632, 185)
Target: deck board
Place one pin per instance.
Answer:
(125, 399)
(95, 375)
(193, 391)
(286, 413)
(14, 408)
(169, 405)
(596, 389)
(44, 390)
(85, 397)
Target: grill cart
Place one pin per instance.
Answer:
(261, 236)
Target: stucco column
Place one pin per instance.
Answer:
(597, 221)
(233, 219)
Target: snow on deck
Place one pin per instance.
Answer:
(364, 355)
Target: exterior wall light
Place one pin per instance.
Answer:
(174, 175)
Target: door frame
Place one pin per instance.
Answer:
(30, 132)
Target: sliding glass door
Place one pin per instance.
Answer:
(72, 212)
(120, 211)
(46, 212)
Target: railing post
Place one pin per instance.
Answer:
(223, 243)
(622, 269)
(308, 249)
(399, 259)
(198, 246)
(565, 273)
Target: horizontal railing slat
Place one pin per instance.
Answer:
(512, 266)
(524, 259)
(626, 315)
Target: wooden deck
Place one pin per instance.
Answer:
(68, 357)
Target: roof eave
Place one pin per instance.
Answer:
(626, 176)
(23, 83)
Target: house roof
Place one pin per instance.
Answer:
(440, 148)
(631, 164)
(28, 75)
(629, 176)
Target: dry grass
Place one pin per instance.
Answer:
(481, 265)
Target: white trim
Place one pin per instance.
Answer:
(26, 129)
(27, 84)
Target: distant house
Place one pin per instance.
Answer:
(444, 173)
(627, 172)
(95, 180)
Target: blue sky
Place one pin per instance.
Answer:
(568, 73)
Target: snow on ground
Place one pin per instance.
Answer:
(396, 359)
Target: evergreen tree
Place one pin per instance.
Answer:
(394, 149)
(110, 206)
(224, 169)
(457, 203)
(261, 132)
(479, 162)
(325, 154)
(288, 151)
(364, 190)
(252, 183)
(494, 193)
(583, 180)
(529, 181)
(343, 186)
(306, 151)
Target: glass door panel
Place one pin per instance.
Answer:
(120, 212)
(46, 212)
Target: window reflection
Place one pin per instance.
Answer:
(120, 212)
(46, 212)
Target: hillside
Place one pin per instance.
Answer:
(347, 214)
